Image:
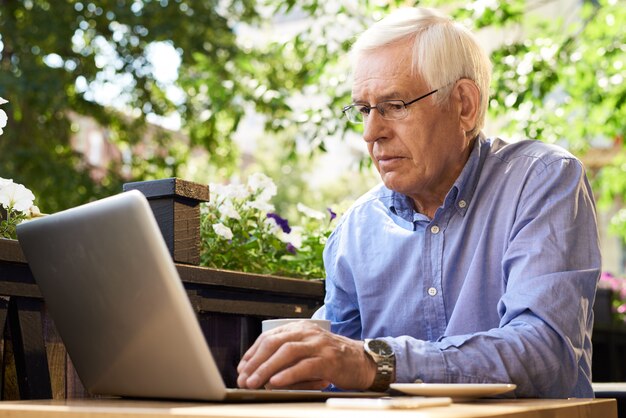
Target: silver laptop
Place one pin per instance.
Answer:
(120, 307)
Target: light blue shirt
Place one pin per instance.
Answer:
(497, 288)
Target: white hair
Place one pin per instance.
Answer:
(444, 51)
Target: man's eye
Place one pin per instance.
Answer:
(393, 107)
(364, 110)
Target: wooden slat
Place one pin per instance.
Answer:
(186, 233)
(10, 387)
(74, 388)
(31, 363)
(222, 333)
(286, 309)
(57, 357)
(170, 187)
(163, 210)
(10, 250)
(16, 279)
(4, 310)
(250, 281)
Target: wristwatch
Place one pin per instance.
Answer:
(385, 360)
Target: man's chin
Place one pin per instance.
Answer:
(391, 182)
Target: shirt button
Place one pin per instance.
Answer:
(462, 203)
(434, 229)
(432, 291)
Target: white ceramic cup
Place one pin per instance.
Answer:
(269, 324)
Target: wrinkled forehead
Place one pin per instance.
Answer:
(383, 67)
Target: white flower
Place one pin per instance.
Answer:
(261, 205)
(16, 197)
(311, 213)
(238, 191)
(3, 120)
(228, 209)
(4, 182)
(229, 191)
(3, 116)
(280, 234)
(295, 236)
(259, 182)
(273, 227)
(223, 231)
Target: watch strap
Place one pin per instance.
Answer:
(385, 370)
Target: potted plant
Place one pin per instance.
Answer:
(241, 231)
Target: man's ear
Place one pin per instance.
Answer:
(468, 96)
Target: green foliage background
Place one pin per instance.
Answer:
(559, 80)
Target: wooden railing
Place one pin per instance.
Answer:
(230, 305)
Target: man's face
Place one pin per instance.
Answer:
(422, 154)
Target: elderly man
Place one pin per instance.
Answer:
(476, 260)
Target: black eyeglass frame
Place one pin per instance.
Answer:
(382, 113)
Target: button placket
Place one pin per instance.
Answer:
(434, 289)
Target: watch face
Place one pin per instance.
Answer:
(380, 347)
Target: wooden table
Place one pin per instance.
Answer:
(616, 390)
(99, 408)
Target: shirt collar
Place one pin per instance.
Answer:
(462, 191)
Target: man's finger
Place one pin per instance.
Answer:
(273, 357)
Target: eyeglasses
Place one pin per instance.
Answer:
(389, 109)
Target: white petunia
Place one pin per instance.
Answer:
(216, 189)
(5, 182)
(228, 209)
(229, 191)
(273, 227)
(295, 236)
(280, 234)
(16, 197)
(311, 213)
(223, 231)
(259, 182)
(3, 120)
(3, 116)
(261, 205)
(238, 191)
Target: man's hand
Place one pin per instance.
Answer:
(301, 355)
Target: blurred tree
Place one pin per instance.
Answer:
(55, 56)
(557, 80)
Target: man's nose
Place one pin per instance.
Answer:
(373, 126)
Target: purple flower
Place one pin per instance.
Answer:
(290, 248)
(282, 222)
(332, 214)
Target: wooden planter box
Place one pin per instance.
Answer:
(230, 305)
(602, 308)
(609, 341)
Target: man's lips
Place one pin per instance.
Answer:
(388, 160)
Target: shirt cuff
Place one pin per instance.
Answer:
(417, 360)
